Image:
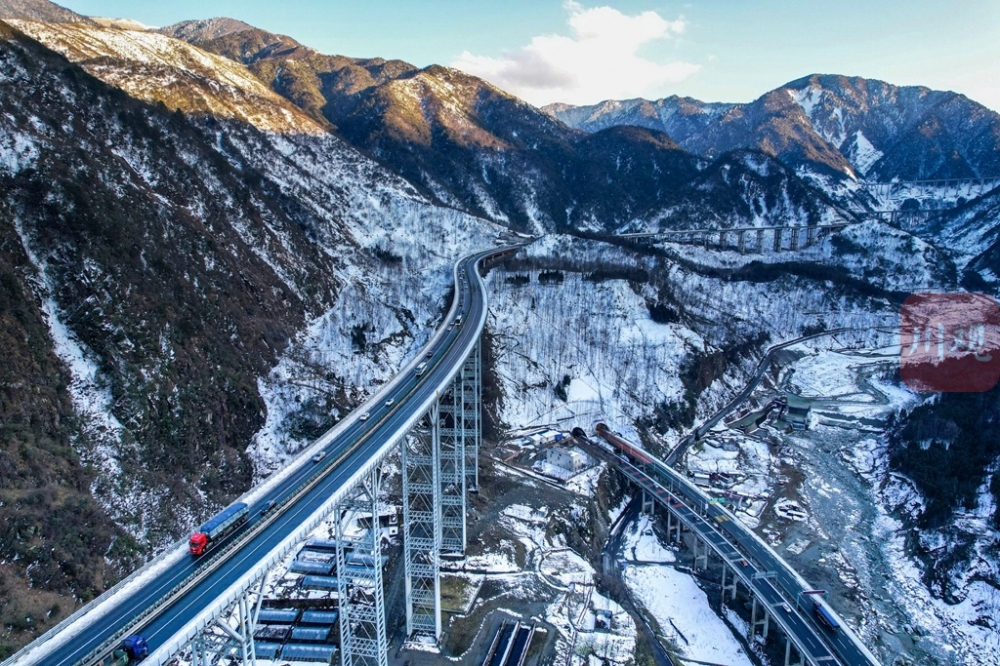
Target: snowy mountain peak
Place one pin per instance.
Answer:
(156, 68)
(807, 98)
(39, 10)
(121, 23)
(212, 28)
(827, 124)
(826, 119)
(677, 116)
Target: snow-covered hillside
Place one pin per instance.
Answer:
(840, 126)
(161, 267)
(575, 342)
(574, 338)
(619, 363)
(157, 68)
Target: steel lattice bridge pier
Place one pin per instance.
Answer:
(208, 606)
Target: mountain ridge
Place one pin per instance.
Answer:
(40, 10)
(156, 68)
(834, 124)
(465, 142)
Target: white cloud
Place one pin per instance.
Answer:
(598, 61)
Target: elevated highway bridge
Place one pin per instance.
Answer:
(174, 598)
(778, 594)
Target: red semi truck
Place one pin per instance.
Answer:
(219, 526)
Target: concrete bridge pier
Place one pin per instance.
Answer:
(648, 504)
(810, 235)
(777, 239)
(795, 234)
(732, 587)
(741, 241)
(674, 524)
(800, 660)
(700, 555)
(759, 248)
(764, 622)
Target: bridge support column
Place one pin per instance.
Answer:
(246, 617)
(722, 239)
(788, 655)
(473, 422)
(211, 646)
(777, 239)
(742, 241)
(760, 241)
(672, 525)
(359, 580)
(700, 558)
(422, 531)
(451, 425)
(648, 504)
(754, 622)
(728, 588)
(795, 238)
(810, 235)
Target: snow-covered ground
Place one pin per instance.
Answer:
(641, 544)
(556, 335)
(840, 516)
(573, 351)
(573, 605)
(682, 610)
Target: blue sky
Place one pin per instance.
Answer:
(583, 52)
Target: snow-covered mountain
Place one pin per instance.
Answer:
(469, 144)
(972, 234)
(680, 117)
(158, 268)
(848, 126)
(40, 10)
(155, 68)
(744, 188)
